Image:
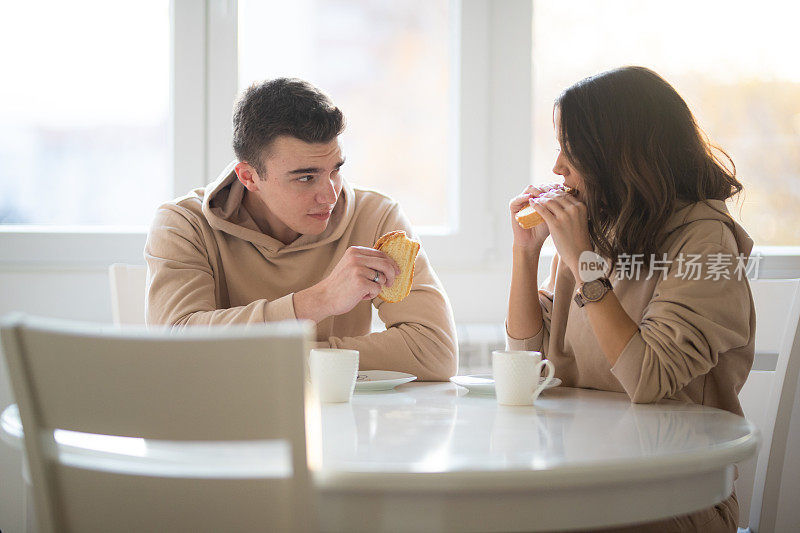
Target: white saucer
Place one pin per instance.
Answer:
(484, 383)
(381, 379)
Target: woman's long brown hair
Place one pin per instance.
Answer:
(641, 153)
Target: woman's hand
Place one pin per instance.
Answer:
(568, 223)
(534, 237)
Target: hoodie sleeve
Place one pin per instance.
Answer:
(420, 336)
(539, 342)
(686, 326)
(180, 281)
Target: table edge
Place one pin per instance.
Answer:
(586, 475)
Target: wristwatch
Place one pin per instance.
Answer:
(592, 291)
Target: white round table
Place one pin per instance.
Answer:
(431, 457)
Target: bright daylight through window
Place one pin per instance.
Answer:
(83, 112)
(735, 63)
(386, 65)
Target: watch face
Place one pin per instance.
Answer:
(593, 290)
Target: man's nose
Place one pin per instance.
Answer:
(327, 194)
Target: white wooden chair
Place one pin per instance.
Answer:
(768, 398)
(127, 293)
(188, 390)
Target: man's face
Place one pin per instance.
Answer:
(300, 186)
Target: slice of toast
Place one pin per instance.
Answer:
(527, 217)
(404, 251)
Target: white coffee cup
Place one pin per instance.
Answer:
(516, 376)
(333, 373)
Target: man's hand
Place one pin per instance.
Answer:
(351, 281)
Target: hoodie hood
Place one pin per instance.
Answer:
(711, 210)
(222, 207)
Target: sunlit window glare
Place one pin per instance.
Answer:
(386, 65)
(83, 112)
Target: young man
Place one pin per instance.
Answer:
(281, 235)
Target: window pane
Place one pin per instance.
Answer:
(385, 64)
(735, 63)
(83, 111)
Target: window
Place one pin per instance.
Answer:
(84, 112)
(386, 65)
(735, 63)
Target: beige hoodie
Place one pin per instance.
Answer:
(695, 338)
(208, 263)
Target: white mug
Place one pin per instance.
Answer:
(517, 375)
(333, 373)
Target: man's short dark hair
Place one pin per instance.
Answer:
(283, 106)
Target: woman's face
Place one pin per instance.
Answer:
(562, 167)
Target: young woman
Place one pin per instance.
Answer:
(671, 315)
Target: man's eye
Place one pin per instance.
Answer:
(305, 179)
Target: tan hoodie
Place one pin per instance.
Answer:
(208, 263)
(695, 338)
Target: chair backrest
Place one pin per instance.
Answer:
(127, 293)
(242, 386)
(768, 398)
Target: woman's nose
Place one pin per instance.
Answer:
(560, 167)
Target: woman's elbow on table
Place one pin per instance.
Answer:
(648, 392)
